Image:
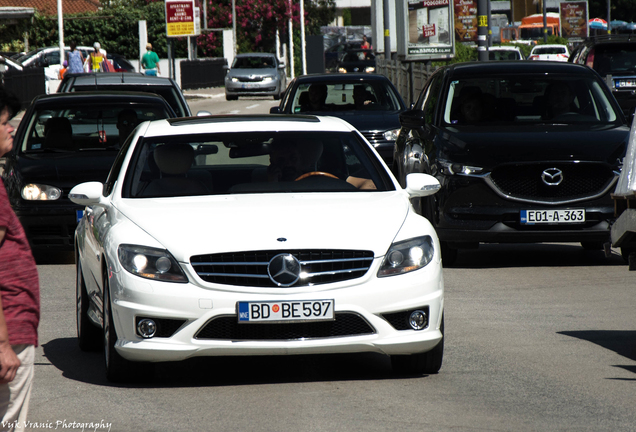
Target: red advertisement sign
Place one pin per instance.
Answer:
(573, 19)
(180, 17)
(428, 30)
(465, 20)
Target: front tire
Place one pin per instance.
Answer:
(88, 334)
(230, 98)
(427, 363)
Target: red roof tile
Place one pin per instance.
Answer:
(49, 7)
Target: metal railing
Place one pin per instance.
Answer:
(409, 78)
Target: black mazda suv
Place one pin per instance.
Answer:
(524, 151)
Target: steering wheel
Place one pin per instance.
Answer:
(316, 173)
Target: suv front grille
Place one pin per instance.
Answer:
(580, 181)
(251, 268)
(228, 328)
(374, 136)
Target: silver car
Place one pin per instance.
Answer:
(255, 74)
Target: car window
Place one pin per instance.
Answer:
(262, 162)
(168, 93)
(614, 58)
(549, 50)
(481, 101)
(503, 55)
(256, 62)
(342, 96)
(81, 128)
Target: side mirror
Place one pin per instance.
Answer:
(421, 185)
(87, 194)
(274, 110)
(203, 113)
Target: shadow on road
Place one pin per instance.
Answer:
(535, 255)
(619, 341)
(77, 365)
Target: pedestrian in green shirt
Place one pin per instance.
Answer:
(150, 61)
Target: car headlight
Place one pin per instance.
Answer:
(342, 70)
(391, 135)
(407, 256)
(39, 192)
(369, 69)
(234, 79)
(268, 79)
(150, 263)
(450, 168)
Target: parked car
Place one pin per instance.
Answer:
(226, 283)
(614, 58)
(255, 74)
(62, 140)
(378, 119)
(8, 65)
(550, 52)
(163, 86)
(357, 61)
(505, 52)
(525, 152)
(49, 59)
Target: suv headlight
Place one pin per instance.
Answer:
(150, 263)
(268, 79)
(407, 255)
(39, 192)
(450, 168)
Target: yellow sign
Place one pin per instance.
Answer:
(482, 21)
(180, 28)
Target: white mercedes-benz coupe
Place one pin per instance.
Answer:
(256, 235)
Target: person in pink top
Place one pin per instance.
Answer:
(19, 297)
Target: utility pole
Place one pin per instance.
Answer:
(482, 30)
(545, 22)
(387, 34)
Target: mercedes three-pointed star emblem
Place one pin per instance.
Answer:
(284, 270)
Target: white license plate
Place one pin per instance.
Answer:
(530, 217)
(627, 83)
(285, 311)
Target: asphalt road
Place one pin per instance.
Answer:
(538, 338)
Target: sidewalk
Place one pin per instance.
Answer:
(212, 92)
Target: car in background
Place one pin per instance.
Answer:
(378, 119)
(255, 74)
(525, 152)
(8, 65)
(313, 283)
(127, 81)
(614, 58)
(64, 139)
(356, 61)
(334, 53)
(549, 52)
(505, 52)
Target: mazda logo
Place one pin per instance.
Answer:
(552, 176)
(284, 270)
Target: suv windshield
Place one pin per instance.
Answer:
(527, 99)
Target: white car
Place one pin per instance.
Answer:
(197, 245)
(551, 52)
(505, 52)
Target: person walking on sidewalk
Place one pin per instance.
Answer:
(150, 61)
(75, 60)
(19, 298)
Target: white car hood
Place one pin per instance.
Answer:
(202, 225)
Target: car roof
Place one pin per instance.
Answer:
(256, 55)
(137, 78)
(243, 123)
(503, 48)
(519, 67)
(97, 96)
(331, 77)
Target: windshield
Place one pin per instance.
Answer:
(527, 99)
(256, 62)
(79, 128)
(503, 55)
(169, 93)
(345, 96)
(253, 162)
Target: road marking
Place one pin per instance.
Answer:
(253, 106)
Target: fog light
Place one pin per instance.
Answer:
(418, 320)
(147, 328)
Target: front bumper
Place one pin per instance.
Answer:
(469, 211)
(195, 305)
(271, 88)
(49, 229)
